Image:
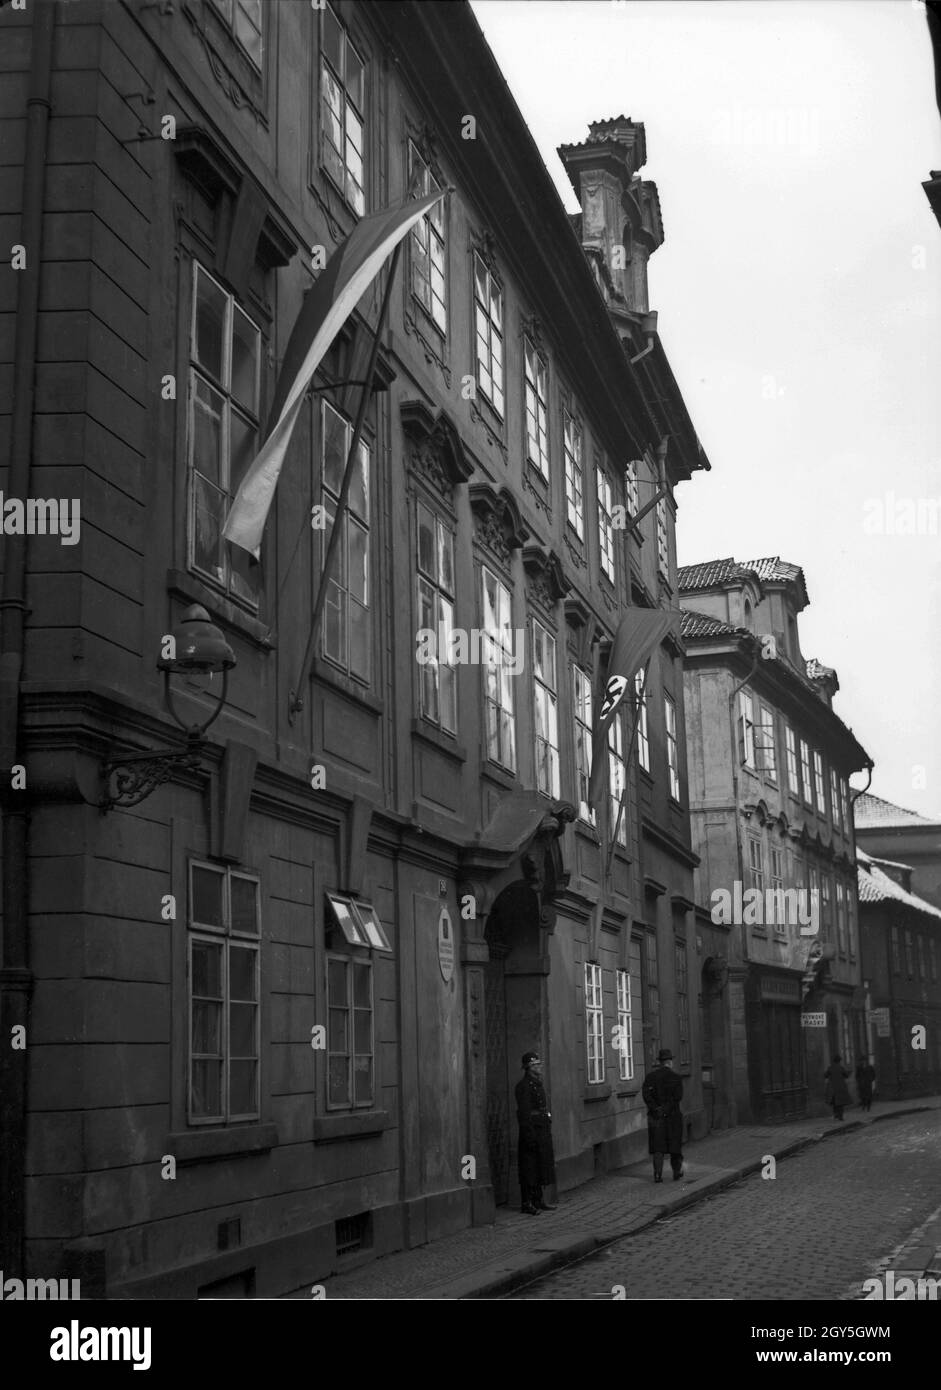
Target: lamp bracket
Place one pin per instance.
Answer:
(131, 779)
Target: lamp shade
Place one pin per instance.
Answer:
(199, 645)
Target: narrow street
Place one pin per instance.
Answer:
(817, 1230)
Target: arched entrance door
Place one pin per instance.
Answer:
(513, 1013)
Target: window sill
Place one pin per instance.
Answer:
(601, 1090)
(441, 334)
(190, 589)
(350, 1124)
(628, 1094)
(330, 675)
(587, 831)
(202, 1145)
(500, 775)
(430, 733)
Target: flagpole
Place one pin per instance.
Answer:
(627, 766)
(339, 527)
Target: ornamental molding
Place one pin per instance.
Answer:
(498, 523)
(546, 584)
(435, 451)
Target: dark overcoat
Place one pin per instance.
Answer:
(662, 1092)
(536, 1157)
(837, 1091)
(865, 1076)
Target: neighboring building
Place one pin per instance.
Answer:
(769, 764)
(305, 970)
(900, 939)
(887, 831)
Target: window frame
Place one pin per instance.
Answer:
(756, 870)
(227, 10)
(663, 539)
(776, 878)
(820, 786)
(640, 714)
(434, 587)
(632, 487)
(426, 235)
(351, 521)
(347, 102)
(807, 786)
(496, 332)
(582, 702)
(768, 745)
(672, 747)
(606, 550)
(745, 725)
(594, 1024)
(790, 753)
(835, 807)
(573, 448)
(625, 1024)
(539, 412)
(228, 581)
(617, 776)
(350, 961)
(225, 937)
(496, 752)
(546, 699)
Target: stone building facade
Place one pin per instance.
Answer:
(769, 766)
(275, 1009)
(900, 939)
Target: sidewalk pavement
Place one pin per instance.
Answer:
(485, 1261)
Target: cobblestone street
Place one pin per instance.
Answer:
(817, 1230)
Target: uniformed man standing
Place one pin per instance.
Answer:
(536, 1159)
(662, 1092)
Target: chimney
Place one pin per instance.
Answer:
(620, 218)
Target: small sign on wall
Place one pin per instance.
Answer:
(813, 1020)
(445, 946)
(880, 1018)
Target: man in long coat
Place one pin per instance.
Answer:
(836, 1092)
(865, 1080)
(662, 1092)
(536, 1158)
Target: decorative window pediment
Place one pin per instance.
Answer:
(498, 522)
(436, 452)
(583, 629)
(254, 230)
(546, 581)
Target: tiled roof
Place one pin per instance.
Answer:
(872, 813)
(710, 573)
(877, 887)
(775, 570)
(702, 625)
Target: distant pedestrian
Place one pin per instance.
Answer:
(865, 1081)
(662, 1092)
(837, 1092)
(536, 1159)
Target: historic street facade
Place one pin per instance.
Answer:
(769, 766)
(274, 1010)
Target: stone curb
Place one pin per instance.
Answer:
(502, 1276)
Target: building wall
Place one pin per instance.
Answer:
(403, 802)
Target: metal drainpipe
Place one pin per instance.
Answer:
(738, 829)
(15, 976)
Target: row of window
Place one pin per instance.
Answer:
(342, 153)
(223, 986)
(806, 777)
(920, 950)
(627, 1038)
(823, 890)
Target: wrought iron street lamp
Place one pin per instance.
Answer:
(196, 646)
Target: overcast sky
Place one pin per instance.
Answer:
(798, 290)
